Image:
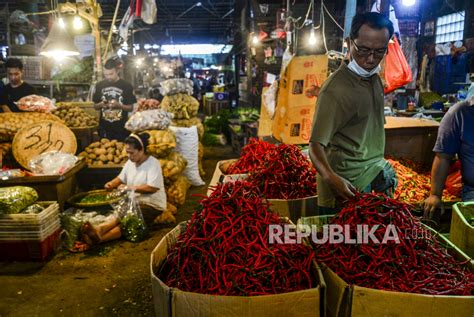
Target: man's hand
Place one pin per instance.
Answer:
(430, 205)
(100, 105)
(341, 187)
(114, 104)
(312, 91)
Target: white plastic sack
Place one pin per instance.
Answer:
(187, 144)
(149, 120)
(270, 98)
(176, 86)
(52, 163)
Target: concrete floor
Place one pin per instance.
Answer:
(113, 279)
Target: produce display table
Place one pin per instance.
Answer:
(91, 178)
(410, 138)
(84, 136)
(50, 188)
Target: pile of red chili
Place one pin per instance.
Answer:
(414, 187)
(251, 156)
(285, 174)
(419, 263)
(225, 249)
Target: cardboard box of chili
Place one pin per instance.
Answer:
(174, 302)
(352, 300)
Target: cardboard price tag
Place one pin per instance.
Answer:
(41, 137)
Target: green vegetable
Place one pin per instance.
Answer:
(14, 199)
(95, 198)
(133, 228)
(429, 98)
(81, 72)
(33, 209)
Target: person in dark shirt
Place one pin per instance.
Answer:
(114, 99)
(16, 88)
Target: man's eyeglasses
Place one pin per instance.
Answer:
(366, 52)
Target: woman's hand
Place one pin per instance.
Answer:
(109, 185)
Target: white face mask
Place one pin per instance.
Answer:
(355, 68)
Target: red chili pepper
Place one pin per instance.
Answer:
(236, 258)
(414, 265)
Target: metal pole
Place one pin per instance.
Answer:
(351, 6)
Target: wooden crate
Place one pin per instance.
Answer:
(213, 106)
(51, 188)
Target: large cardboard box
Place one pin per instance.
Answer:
(294, 111)
(462, 233)
(351, 300)
(411, 138)
(174, 302)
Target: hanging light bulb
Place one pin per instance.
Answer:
(77, 23)
(255, 39)
(312, 37)
(61, 23)
(408, 3)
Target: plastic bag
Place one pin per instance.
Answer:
(52, 163)
(172, 165)
(176, 192)
(188, 145)
(161, 143)
(147, 104)
(35, 103)
(181, 105)
(177, 86)
(149, 120)
(397, 72)
(72, 221)
(270, 98)
(14, 199)
(132, 223)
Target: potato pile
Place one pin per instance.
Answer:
(187, 123)
(105, 152)
(161, 143)
(147, 104)
(172, 166)
(181, 105)
(12, 122)
(75, 117)
(176, 192)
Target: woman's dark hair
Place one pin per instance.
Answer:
(372, 19)
(133, 141)
(14, 63)
(113, 63)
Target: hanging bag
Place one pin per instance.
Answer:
(397, 71)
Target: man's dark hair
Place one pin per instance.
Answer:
(130, 140)
(14, 63)
(113, 63)
(372, 19)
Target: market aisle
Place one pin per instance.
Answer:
(113, 279)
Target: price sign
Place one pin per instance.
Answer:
(41, 137)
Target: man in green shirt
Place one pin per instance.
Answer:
(348, 137)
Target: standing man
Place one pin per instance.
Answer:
(348, 137)
(114, 98)
(16, 88)
(455, 136)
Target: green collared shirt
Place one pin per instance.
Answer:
(349, 123)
